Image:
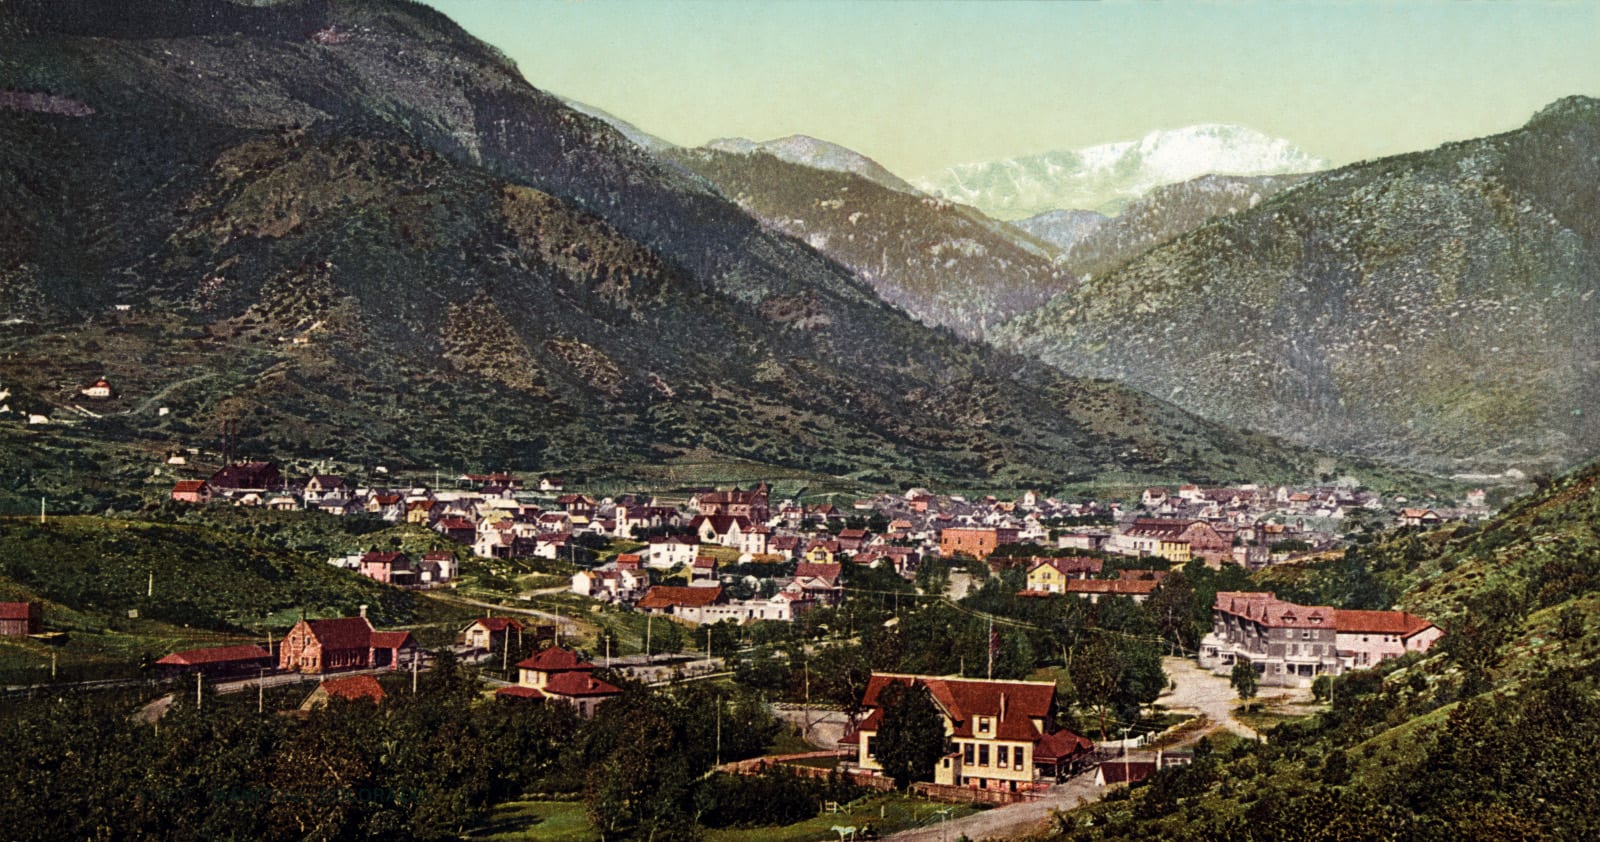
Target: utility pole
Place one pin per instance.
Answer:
(708, 652)
(41, 510)
(150, 589)
(199, 700)
(415, 657)
(606, 633)
(52, 666)
(719, 730)
(648, 618)
(990, 647)
(261, 691)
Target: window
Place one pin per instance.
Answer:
(872, 746)
(966, 753)
(1002, 756)
(983, 724)
(983, 755)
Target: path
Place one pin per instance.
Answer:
(823, 728)
(1012, 820)
(1199, 691)
(567, 623)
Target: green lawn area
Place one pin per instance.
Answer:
(1262, 720)
(888, 813)
(548, 821)
(789, 741)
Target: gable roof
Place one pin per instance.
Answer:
(1125, 587)
(17, 610)
(189, 486)
(578, 684)
(1265, 608)
(555, 659)
(517, 691)
(962, 700)
(389, 639)
(671, 596)
(495, 624)
(1070, 566)
(1379, 622)
(343, 633)
(215, 655)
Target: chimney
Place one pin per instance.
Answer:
(1002, 706)
(363, 612)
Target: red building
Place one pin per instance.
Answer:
(219, 660)
(317, 646)
(191, 491)
(20, 618)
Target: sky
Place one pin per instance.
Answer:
(921, 85)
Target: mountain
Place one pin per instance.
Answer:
(1107, 177)
(1163, 214)
(1062, 228)
(943, 263)
(1437, 307)
(816, 154)
(641, 138)
(351, 230)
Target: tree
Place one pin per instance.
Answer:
(911, 739)
(1243, 679)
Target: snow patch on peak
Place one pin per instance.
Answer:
(1106, 177)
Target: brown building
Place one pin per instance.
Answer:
(20, 618)
(317, 646)
(978, 542)
(219, 660)
(750, 504)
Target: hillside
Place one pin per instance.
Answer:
(351, 229)
(816, 154)
(1435, 308)
(1106, 177)
(1484, 738)
(1092, 246)
(943, 263)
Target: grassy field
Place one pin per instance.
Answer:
(887, 812)
(547, 821)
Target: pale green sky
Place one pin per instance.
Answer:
(921, 85)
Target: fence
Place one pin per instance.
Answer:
(974, 795)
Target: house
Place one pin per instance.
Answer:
(754, 541)
(852, 540)
(218, 660)
(559, 674)
(751, 505)
(1123, 771)
(324, 485)
(1419, 517)
(191, 491)
(1366, 638)
(1139, 586)
(820, 551)
(19, 619)
(388, 568)
(788, 546)
(436, 567)
(98, 390)
(978, 542)
(994, 729)
(351, 688)
(576, 504)
(551, 484)
(319, 646)
(1050, 575)
(724, 530)
(246, 476)
(818, 581)
(668, 551)
(687, 603)
(1176, 540)
(489, 632)
(456, 528)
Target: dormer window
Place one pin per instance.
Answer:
(983, 724)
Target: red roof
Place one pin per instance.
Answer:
(518, 692)
(1378, 622)
(216, 655)
(578, 684)
(1070, 566)
(1265, 608)
(667, 596)
(389, 640)
(964, 699)
(1062, 745)
(1127, 771)
(189, 486)
(555, 659)
(344, 633)
(810, 570)
(355, 687)
(495, 625)
(16, 610)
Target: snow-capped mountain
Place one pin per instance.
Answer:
(1106, 177)
(817, 154)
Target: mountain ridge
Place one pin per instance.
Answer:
(1105, 177)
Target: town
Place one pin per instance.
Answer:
(826, 611)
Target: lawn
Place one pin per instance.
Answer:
(547, 821)
(887, 812)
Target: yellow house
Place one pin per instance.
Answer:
(821, 552)
(994, 727)
(1050, 575)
